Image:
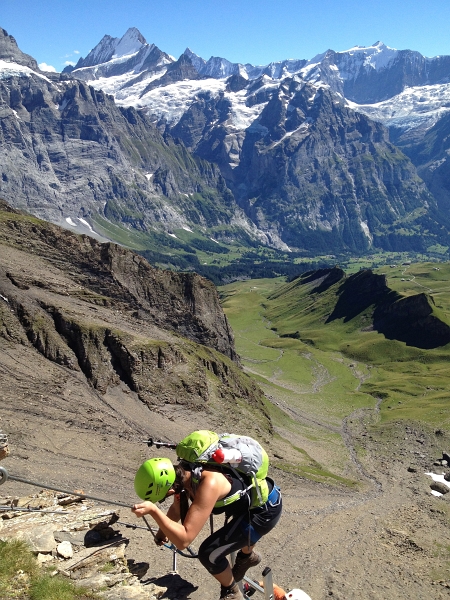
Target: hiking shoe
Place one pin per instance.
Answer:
(231, 593)
(243, 563)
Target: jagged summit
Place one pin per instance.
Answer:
(131, 42)
(110, 48)
(197, 61)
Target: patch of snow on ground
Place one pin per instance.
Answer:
(71, 223)
(213, 240)
(379, 56)
(366, 230)
(308, 71)
(149, 175)
(376, 57)
(302, 129)
(4, 298)
(11, 69)
(439, 478)
(115, 60)
(172, 235)
(242, 116)
(86, 224)
(187, 229)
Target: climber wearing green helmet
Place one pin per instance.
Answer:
(208, 489)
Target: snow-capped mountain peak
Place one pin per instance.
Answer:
(197, 61)
(377, 56)
(130, 43)
(110, 48)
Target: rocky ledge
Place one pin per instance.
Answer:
(78, 540)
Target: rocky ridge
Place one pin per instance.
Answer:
(104, 312)
(408, 318)
(316, 174)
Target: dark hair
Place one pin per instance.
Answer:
(178, 485)
(180, 478)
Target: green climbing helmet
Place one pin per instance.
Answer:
(154, 479)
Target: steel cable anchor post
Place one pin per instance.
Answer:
(159, 444)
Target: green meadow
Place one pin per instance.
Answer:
(318, 373)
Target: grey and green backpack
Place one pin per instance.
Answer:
(197, 450)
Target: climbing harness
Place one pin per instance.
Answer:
(267, 590)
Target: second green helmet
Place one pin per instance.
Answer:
(154, 479)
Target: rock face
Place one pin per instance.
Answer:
(431, 156)
(104, 311)
(10, 52)
(307, 169)
(376, 73)
(71, 156)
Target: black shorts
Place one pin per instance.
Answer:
(241, 531)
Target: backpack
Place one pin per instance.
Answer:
(249, 458)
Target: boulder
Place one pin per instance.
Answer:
(442, 488)
(40, 538)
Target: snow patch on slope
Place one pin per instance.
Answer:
(117, 86)
(241, 115)
(416, 106)
(376, 57)
(11, 69)
(171, 101)
(130, 43)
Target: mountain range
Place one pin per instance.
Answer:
(343, 152)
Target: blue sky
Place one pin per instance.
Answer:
(256, 31)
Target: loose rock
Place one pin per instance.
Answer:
(437, 486)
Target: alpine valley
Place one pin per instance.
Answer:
(344, 153)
